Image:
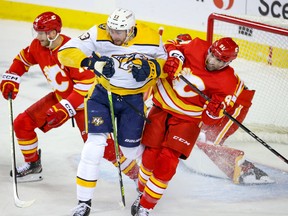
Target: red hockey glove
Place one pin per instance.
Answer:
(215, 108)
(173, 64)
(183, 37)
(10, 83)
(59, 113)
(143, 69)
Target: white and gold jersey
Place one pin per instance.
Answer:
(146, 44)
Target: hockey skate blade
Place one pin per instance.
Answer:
(30, 178)
(23, 204)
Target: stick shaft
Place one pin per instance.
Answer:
(116, 146)
(236, 121)
(19, 203)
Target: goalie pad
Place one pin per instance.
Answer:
(225, 162)
(228, 160)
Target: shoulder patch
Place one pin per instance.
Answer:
(102, 34)
(102, 26)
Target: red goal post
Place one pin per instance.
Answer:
(263, 65)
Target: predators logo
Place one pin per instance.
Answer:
(97, 121)
(125, 60)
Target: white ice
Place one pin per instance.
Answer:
(187, 194)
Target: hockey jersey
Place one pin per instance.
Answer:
(69, 83)
(179, 99)
(146, 44)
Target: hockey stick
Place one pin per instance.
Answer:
(19, 203)
(235, 120)
(118, 158)
(98, 68)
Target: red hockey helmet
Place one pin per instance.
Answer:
(47, 21)
(225, 49)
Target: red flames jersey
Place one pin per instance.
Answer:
(179, 99)
(69, 83)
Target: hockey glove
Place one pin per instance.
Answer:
(59, 113)
(108, 70)
(173, 64)
(143, 69)
(10, 84)
(215, 108)
(183, 38)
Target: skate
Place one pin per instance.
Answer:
(253, 175)
(143, 211)
(135, 205)
(82, 209)
(30, 171)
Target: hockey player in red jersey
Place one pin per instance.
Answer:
(211, 142)
(69, 85)
(212, 137)
(178, 111)
(235, 167)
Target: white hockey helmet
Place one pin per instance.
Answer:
(121, 19)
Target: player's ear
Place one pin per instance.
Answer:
(52, 34)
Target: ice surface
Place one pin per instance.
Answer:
(187, 194)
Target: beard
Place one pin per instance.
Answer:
(44, 43)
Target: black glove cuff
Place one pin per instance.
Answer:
(88, 62)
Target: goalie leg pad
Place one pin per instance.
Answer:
(227, 159)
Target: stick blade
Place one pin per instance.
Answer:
(21, 203)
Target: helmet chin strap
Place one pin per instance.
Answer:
(225, 65)
(130, 34)
(52, 40)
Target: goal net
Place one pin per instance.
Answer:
(263, 65)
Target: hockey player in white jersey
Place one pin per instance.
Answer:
(133, 55)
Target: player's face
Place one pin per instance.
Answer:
(47, 39)
(118, 36)
(42, 37)
(212, 63)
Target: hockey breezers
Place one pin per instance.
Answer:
(19, 203)
(235, 121)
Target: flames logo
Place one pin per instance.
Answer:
(224, 4)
